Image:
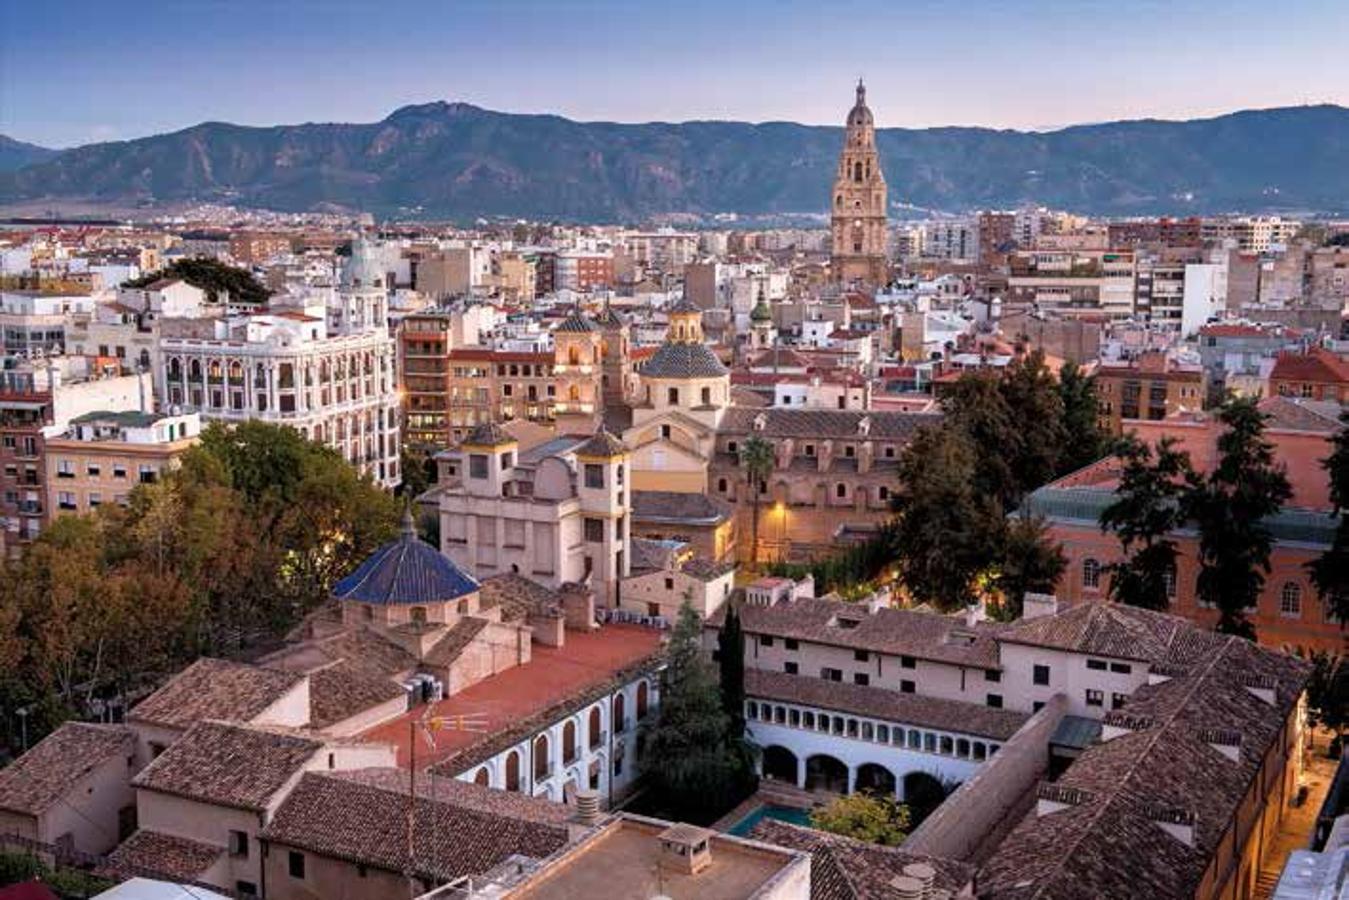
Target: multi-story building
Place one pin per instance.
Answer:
(1073, 282)
(557, 513)
(252, 248)
(33, 323)
(858, 207)
(1255, 234)
(996, 235)
(580, 270)
(1318, 374)
(1150, 387)
(953, 239)
(327, 370)
(1187, 232)
(103, 455)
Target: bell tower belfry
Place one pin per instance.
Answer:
(857, 207)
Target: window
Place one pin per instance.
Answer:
(765, 640)
(861, 678)
(732, 447)
(1121, 668)
(665, 432)
(908, 662)
(672, 396)
(1037, 706)
(860, 655)
(295, 864)
(1095, 698)
(992, 675)
(65, 469)
(995, 701)
(594, 530)
(1091, 573)
(1117, 701)
(907, 687)
(840, 490)
(239, 844)
(594, 475)
(1096, 665)
(808, 720)
(721, 485)
(93, 470)
(829, 674)
(791, 644)
(477, 465)
(791, 668)
(810, 449)
(118, 470)
(247, 888)
(1290, 600)
(669, 584)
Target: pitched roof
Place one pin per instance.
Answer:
(169, 855)
(881, 703)
(365, 822)
(706, 569)
(42, 776)
(1103, 629)
(463, 793)
(842, 868)
(826, 423)
(404, 571)
(1298, 414)
(215, 689)
(577, 323)
(653, 556)
(604, 443)
(903, 632)
(1109, 841)
(448, 648)
(489, 434)
(519, 597)
(1318, 364)
(228, 765)
(683, 360)
(339, 692)
(678, 506)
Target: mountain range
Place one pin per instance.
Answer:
(455, 160)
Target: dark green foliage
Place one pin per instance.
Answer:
(1030, 563)
(852, 570)
(731, 663)
(1338, 240)
(947, 530)
(1230, 506)
(1330, 570)
(1034, 401)
(1328, 692)
(756, 459)
(212, 276)
(1084, 440)
(1149, 505)
(977, 410)
(697, 768)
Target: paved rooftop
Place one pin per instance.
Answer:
(552, 675)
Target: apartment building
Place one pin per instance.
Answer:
(33, 323)
(1151, 387)
(1254, 234)
(1073, 282)
(1317, 374)
(582, 271)
(103, 455)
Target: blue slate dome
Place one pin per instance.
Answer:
(406, 571)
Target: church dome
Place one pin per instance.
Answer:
(761, 311)
(860, 115)
(406, 571)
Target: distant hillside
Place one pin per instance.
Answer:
(456, 160)
(17, 154)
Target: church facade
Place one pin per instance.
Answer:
(857, 207)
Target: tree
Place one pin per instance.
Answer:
(1149, 506)
(1330, 570)
(731, 661)
(975, 406)
(1035, 405)
(866, 817)
(1328, 694)
(946, 530)
(1230, 507)
(1084, 441)
(418, 466)
(696, 767)
(211, 276)
(757, 458)
(1030, 562)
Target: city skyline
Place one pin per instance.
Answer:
(64, 83)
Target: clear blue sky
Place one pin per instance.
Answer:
(74, 71)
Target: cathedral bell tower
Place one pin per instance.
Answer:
(857, 223)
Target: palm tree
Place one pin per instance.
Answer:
(757, 459)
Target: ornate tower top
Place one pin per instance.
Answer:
(858, 206)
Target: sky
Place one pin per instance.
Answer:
(78, 71)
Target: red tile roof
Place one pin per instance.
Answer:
(1318, 365)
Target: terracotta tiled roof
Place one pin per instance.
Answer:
(489, 434)
(902, 632)
(173, 857)
(1318, 365)
(882, 703)
(366, 823)
(448, 648)
(215, 689)
(825, 423)
(43, 775)
(228, 765)
(463, 793)
(1110, 843)
(706, 569)
(842, 868)
(519, 597)
(683, 360)
(678, 506)
(576, 323)
(1296, 414)
(339, 692)
(1104, 629)
(652, 556)
(604, 443)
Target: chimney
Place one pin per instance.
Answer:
(1036, 605)
(587, 806)
(974, 614)
(686, 849)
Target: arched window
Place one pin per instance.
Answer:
(1091, 573)
(721, 485)
(1290, 600)
(642, 700)
(513, 771)
(541, 757)
(573, 356)
(483, 777)
(574, 393)
(595, 729)
(840, 490)
(707, 396)
(620, 713)
(194, 370)
(857, 172)
(418, 614)
(569, 742)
